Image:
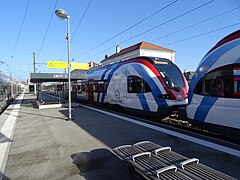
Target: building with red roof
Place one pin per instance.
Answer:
(140, 49)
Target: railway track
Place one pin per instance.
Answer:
(177, 124)
(192, 127)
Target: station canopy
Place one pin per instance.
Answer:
(58, 77)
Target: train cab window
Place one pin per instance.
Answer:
(199, 87)
(216, 83)
(171, 75)
(137, 85)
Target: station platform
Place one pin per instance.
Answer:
(40, 144)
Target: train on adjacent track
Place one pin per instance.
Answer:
(214, 91)
(156, 86)
(9, 90)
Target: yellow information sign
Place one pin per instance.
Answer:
(82, 66)
(57, 64)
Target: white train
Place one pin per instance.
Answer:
(150, 85)
(9, 90)
(214, 91)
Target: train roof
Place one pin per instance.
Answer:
(152, 60)
(228, 38)
(225, 52)
(140, 45)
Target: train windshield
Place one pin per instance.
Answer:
(171, 74)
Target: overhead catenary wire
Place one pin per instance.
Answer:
(81, 19)
(45, 35)
(195, 24)
(20, 31)
(209, 32)
(168, 21)
(185, 39)
(139, 22)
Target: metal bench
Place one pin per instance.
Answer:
(146, 163)
(153, 161)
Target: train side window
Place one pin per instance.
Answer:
(84, 87)
(237, 87)
(236, 79)
(95, 86)
(137, 85)
(101, 86)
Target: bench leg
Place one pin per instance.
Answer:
(133, 174)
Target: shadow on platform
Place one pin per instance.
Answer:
(93, 165)
(3, 177)
(4, 139)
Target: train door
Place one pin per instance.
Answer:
(90, 91)
(117, 89)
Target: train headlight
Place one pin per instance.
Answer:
(179, 97)
(165, 96)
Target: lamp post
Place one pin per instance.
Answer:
(62, 14)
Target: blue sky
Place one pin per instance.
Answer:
(104, 20)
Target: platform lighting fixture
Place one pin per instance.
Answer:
(62, 14)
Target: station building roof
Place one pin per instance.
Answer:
(57, 77)
(130, 52)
